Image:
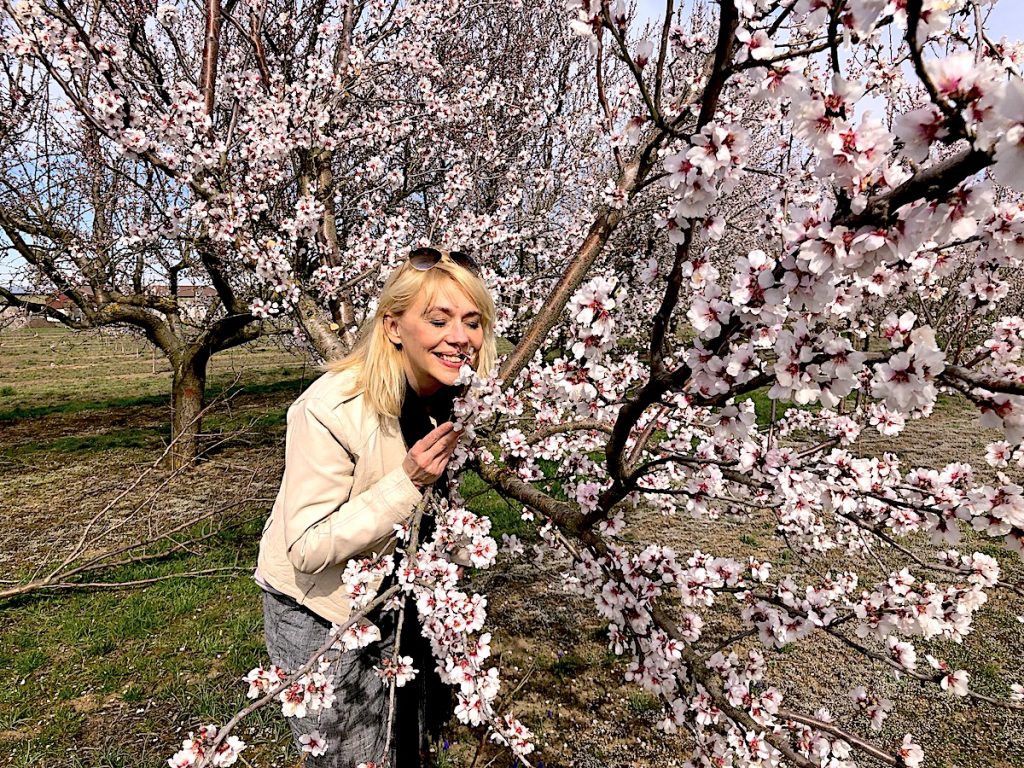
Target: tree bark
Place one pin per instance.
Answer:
(188, 398)
(322, 338)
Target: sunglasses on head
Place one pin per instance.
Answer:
(428, 258)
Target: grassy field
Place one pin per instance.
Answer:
(50, 367)
(116, 678)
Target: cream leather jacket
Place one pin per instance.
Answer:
(342, 493)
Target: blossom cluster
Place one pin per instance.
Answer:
(196, 750)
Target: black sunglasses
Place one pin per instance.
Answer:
(427, 258)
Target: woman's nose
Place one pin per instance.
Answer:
(457, 334)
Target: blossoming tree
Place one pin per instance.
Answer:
(866, 276)
(86, 220)
(884, 253)
(280, 154)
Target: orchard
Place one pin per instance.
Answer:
(819, 200)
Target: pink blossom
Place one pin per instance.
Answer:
(911, 754)
(918, 130)
(1009, 152)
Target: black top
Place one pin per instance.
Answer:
(425, 704)
(415, 423)
(416, 412)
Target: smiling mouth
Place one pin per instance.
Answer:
(455, 358)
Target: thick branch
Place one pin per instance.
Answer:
(211, 50)
(1005, 386)
(565, 515)
(728, 21)
(326, 343)
(551, 313)
(929, 184)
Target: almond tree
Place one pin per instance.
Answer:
(72, 225)
(868, 213)
(281, 154)
(85, 220)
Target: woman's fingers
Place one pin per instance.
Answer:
(442, 451)
(438, 441)
(428, 458)
(436, 437)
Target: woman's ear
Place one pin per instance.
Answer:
(391, 330)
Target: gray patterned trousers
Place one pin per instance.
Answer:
(355, 726)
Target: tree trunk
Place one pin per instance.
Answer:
(188, 394)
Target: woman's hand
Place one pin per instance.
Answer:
(427, 459)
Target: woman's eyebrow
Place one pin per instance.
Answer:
(447, 311)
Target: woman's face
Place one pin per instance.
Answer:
(437, 339)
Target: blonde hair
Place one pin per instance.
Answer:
(377, 361)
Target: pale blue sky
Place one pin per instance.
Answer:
(1007, 17)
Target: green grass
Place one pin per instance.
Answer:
(175, 650)
(57, 371)
(763, 406)
(641, 703)
(269, 421)
(443, 759)
(120, 439)
(567, 666)
(79, 406)
(116, 679)
(226, 389)
(505, 516)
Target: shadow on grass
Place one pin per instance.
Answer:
(78, 406)
(295, 385)
(131, 437)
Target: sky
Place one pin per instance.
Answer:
(1006, 19)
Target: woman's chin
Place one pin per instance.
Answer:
(446, 374)
(449, 378)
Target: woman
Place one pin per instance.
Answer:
(363, 443)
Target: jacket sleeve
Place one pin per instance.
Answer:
(324, 524)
